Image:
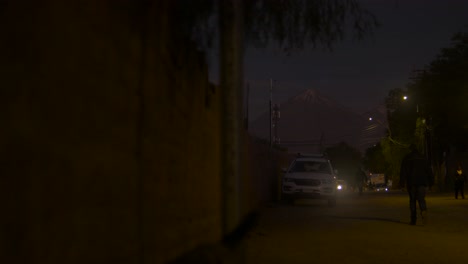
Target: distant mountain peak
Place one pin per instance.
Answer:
(312, 96)
(310, 120)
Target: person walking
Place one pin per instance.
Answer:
(360, 179)
(460, 179)
(417, 175)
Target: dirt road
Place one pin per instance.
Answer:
(372, 228)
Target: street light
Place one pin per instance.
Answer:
(405, 98)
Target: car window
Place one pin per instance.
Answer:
(310, 166)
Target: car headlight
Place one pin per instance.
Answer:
(339, 187)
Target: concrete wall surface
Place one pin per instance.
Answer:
(110, 136)
(106, 133)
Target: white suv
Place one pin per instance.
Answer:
(310, 176)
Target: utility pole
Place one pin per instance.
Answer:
(276, 117)
(271, 99)
(247, 108)
(231, 41)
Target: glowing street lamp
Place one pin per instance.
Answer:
(405, 98)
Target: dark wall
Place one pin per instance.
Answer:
(110, 138)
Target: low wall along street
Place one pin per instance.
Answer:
(110, 138)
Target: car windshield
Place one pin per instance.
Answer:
(310, 166)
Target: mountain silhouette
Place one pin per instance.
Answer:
(310, 122)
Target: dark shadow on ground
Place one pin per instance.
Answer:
(301, 203)
(369, 219)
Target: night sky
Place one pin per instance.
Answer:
(359, 74)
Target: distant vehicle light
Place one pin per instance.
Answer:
(382, 189)
(339, 187)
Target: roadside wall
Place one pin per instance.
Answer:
(265, 166)
(109, 147)
(109, 141)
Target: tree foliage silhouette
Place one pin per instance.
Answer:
(290, 23)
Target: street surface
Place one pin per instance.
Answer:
(372, 228)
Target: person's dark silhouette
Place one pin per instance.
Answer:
(417, 175)
(460, 179)
(360, 180)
